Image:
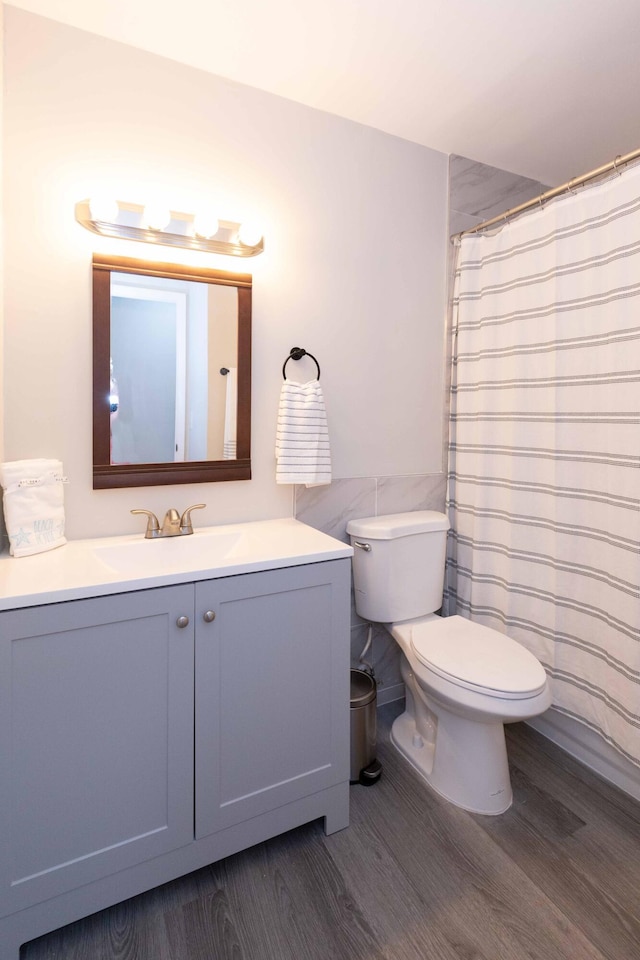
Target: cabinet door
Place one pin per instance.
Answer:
(96, 722)
(272, 690)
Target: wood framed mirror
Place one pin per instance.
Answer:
(171, 374)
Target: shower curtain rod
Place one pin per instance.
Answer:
(554, 192)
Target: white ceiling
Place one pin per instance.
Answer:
(544, 88)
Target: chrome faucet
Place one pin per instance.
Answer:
(173, 525)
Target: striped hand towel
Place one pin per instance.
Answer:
(302, 441)
(230, 415)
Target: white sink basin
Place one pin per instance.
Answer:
(91, 568)
(202, 550)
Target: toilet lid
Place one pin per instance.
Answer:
(477, 657)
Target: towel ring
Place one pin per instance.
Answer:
(297, 353)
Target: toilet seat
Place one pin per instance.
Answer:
(475, 657)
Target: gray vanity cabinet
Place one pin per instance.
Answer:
(97, 712)
(271, 691)
(98, 774)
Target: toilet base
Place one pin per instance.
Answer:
(465, 761)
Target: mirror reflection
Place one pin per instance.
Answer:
(172, 357)
(169, 341)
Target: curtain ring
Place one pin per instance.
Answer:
(615, 165)
(573, 191)
(541, 201)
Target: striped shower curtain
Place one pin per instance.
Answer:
(544, 468)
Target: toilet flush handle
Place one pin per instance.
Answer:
(363, 546)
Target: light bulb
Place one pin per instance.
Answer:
(249, 234)
(205, 224)
(104, 209)
(156, 216)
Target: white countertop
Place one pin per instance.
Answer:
(92, 568)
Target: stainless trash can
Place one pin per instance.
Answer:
(365, 768)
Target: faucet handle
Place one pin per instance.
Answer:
(185, 522)
(153, 526)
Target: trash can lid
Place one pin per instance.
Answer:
(363, 688)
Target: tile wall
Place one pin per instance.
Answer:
(330, 508)
(478, 192)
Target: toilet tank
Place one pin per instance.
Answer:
(398, 564)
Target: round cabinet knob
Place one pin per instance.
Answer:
(182, 622)
(209, 616)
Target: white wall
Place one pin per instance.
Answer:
(1, 258)
(355, 233)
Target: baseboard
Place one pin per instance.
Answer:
(590, 749)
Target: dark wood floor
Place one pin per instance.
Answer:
(557, 877)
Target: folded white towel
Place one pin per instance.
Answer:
(302, 441)
(33, 505)
(230, 415)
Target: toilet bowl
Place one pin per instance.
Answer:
(463, 681)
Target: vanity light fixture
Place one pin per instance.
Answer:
(249, 234)
(206, 225)
(103, 208)
(155, 217)
(153, 224)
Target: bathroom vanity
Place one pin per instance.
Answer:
(158, 714)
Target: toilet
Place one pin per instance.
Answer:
(463, 681)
